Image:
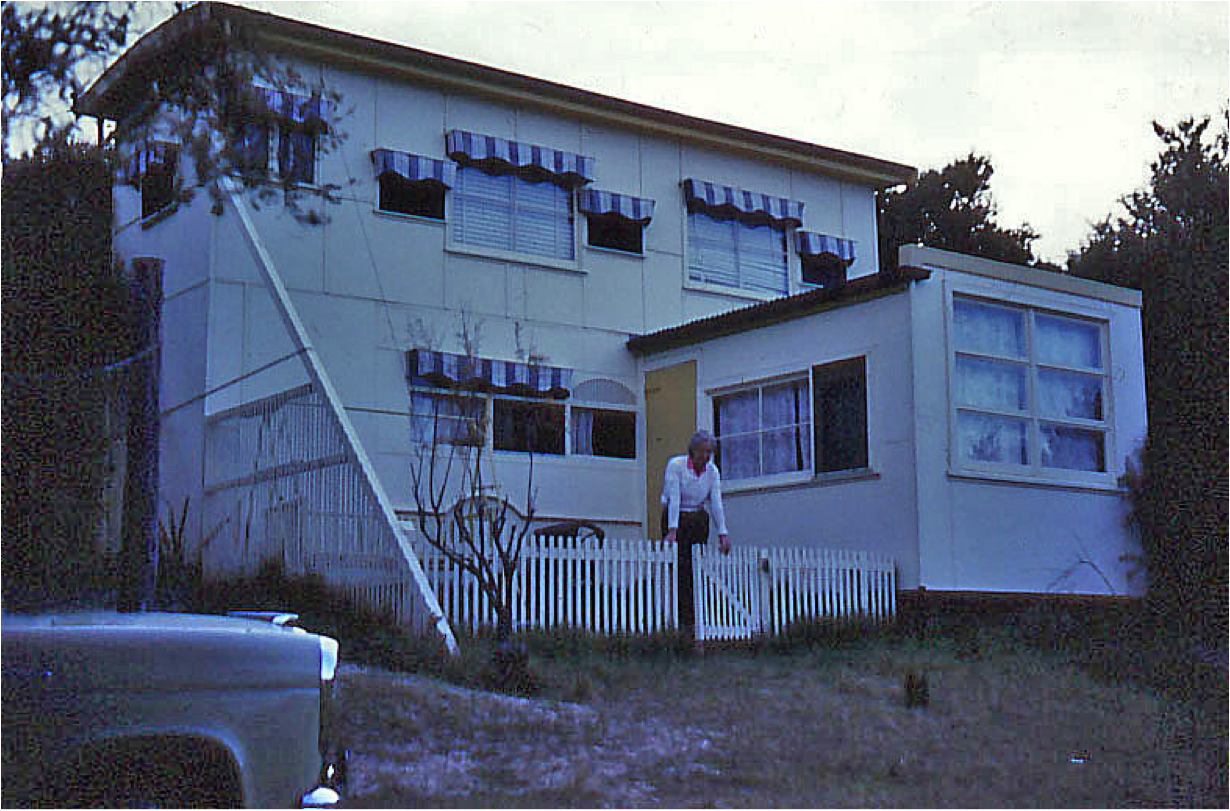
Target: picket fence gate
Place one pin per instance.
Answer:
(629, 586)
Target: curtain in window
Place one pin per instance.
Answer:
(764, 431)
(583, 431)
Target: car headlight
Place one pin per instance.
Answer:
(328, 658)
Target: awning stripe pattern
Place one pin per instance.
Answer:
(513, 157)
(749, 206)
(634, 209)
(415, 168)
(447, 370)
(287, 107)
(811, 244)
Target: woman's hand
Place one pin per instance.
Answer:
(724, 544)
(670, 537)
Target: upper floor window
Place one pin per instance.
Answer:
(825, 259)
(1029, 389)
(615, 221)
(510, 214)
(278, 127)
(735, 254)
(154, 170)
(737, 238)
(412, 184)
(515, 197)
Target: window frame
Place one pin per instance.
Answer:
(170, 171)
(691, 257)
(1033, 471)
(274, 133)
(422, 187)
(611, 221)
(454, 245)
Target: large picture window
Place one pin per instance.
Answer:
(527, 425)
(734, 253)
(508, 213)
(1029, 389)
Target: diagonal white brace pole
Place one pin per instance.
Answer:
(320, 379)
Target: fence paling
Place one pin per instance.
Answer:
(629, 586)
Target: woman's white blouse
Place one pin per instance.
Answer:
(683, 490)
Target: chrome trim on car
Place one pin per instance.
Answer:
(328, 658)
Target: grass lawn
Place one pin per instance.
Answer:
(819, 724)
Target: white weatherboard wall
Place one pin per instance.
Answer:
(871, 510)
(370, 285)
(1003, 533)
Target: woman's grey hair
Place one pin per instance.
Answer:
(701, 437)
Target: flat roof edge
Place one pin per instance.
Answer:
(938, 259)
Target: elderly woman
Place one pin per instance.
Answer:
(691, 483)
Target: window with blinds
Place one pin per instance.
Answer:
(507, 213)
(737, 254)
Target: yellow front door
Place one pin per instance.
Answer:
(670, 420)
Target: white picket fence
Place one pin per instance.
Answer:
(628, 586)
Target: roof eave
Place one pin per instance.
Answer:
(774, 311)
(105, 98)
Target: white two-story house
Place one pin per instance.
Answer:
(616, 276)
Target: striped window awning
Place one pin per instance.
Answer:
(286, 107)
(748, 206)
(414, 168)
(158, 153)
(447, 370)
(633, 209)
(811, 244)
(532, 162)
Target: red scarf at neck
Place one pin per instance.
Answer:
(692, 467)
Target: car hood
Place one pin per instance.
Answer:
(110, 650)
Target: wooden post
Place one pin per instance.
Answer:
(139, 552)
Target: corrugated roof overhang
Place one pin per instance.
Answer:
(864, 288)
(113, 91)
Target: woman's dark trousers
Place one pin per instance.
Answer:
(693, 530)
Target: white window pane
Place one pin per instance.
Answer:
(1069, 394)
(1067, 342)
(740, 457)
(984, 438)
(1073, 448)
(991, 384)
(988, 330)
(786, 449)
(582, 431)
(739, 413)
(783, 404)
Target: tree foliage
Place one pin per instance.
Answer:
(952, 209)
(194, 90)
(65, 323)
(49, 52)
(1170, 242)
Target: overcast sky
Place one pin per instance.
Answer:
(1059, 95)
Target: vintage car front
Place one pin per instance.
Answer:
(149, 708)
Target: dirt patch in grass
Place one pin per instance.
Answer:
(816, 728)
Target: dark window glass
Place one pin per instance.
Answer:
(599, 432)
(158, 184)
(418, 199)
(840, 397)
(297, 155)
(615, 232)
(252, 148)
(521, 425)
(824, 271)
